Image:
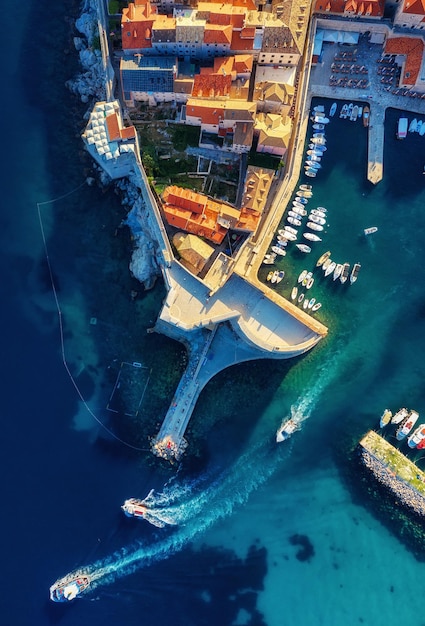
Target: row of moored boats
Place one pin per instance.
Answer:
(317, 145)
(417, 126)
(339, 271)
(405, 420)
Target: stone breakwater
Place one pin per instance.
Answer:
(406, 494)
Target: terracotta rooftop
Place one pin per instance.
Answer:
(217, 34)
(359, 7)
(239, 43)
(413, 49)
(211, 85)
(416, 7)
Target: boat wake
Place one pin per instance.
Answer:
(194, 508)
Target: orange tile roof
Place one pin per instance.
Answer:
(413, 49)
(372, 7)
(217, 34)
(243, 63)
(136, 35)
(223, 65)
(205, 113)
(129, 132)
(241, 44)
(211, 85)
(112, 126)
(185, 199)
(416, 7)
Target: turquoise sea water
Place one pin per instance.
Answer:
(230, 560)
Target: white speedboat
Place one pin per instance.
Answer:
(398, 417)
(289, 236)
(370, 230)
(316, 307)
(300, 298)
(297, 211)
(303, 247)
(319, 136)
(305, 304)
(280, 276)
(345, 273)
(413, 125)
(332, 110)
(354, 272)
(317, 147)
(302, 276)
(318, 126)
(314, 157)
(314, 226)
(69, 587)
(298, 205)
(293, 220)
(311, 173)
(278, 250)
(331, 267)
(326, 263)
(287, 428)
(323, 258)
(274, 277)
(310, 282)
(318, 212)
(314, 153)
(311, 236)
(417, 436)
(419, 126)
(304, 194)
(311, 303)
(269, 258)
(314, 164)
(344, 111)
(289, 229)
(306, 187)
(405, 427)
(320, 141)
(294, 293)
(301, 199)
(337, 271)
(322, 208)
(317, 219)
(319, 108)
(422, 129)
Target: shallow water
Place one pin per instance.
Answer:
(230, 561)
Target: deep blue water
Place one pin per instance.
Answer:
(230, 560)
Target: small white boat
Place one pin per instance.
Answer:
(305, 304)
(319, 136)
(304, 194)
(344, 111)
(331, 267)
(320, 119)
(332, 110)
(293, 220)
(318, 212)
(359, 112)
(282, 240)
(354, 113)
(398, 417)
(316, 307)
(314, 157)
(413, 126)
(326, 263)
(302, 276)
(307, 278)
(314, 153)
(297, 211)
(294, 293)
(318, 126)
(422, 130)
(306, 187)
(317, 147)
(385, 418)
(345, 273)
(278, 250)
(300, 298)
(370, 230)
(289, 229)
(323, 258)
(269, 259)
(354, 272)
(289, 236)
(310, 282)
(303, 247)
(322, 208)
(287, 428)
(301, 200)
(319, 108)
(298, 205)
(314, 164)
(405, 427)
(311, 303)
(311, 173)
(314, 226)
(280, 276)
(419, 126)
(317, 219)
(337, 271)
(417, 436)
(320, 141)
(311, 236)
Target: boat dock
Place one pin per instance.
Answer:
(394, 470)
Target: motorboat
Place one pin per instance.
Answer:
(322, 208)
(316, 307)
(419, 126)
(366, 116)
(319, 136)
(370, 230)
(303, 247)
(304, 194)
(354, 113)
(302, 276)
(279, 276)
(300, 298)
(323, 258)
(305, 304)
(416, 437)
(332, 110)
(314, 164)
(282, 240)
(318, 126)
(413, 126)
(307, 278)
(354, 272)
(269, 276)
(289, 229)
(311, 173)
(422, 129)
(69, 587)
(385, 418)
(317, 147)
(345, 273)
(314, 153)
(306, 187)
(278, 250)
(274, 277)
(314, 157)
(293, 220)
(405, 427)
(331, 267)
(326, 263)
(359, 112)
(294, 293)
(337, 271)
(316, 219)
(318, 212)
(269, 259)
(301, 200)
(287, 428)
(314, 226)
(402, 128)
(298, 205)
(344, 111)
(297, 211)
(311, 303)
(398, 417)
(310, 282)
(319, 108)
(289, 236)
(311, 237)
(320, 141)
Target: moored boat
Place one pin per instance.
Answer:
(354, 272)
(398, 417)
(289, 229)
(300, 298)
(293, 220)
(311, 237)
(345, 273)
(269, 276)
(303, 247)
(323, 258)
(314, 226)
(69, 587)
(366, 116)
(305, 304)
(269, 259)
(318, 212)
(311, 303)
(402, 128)
(413, 125)
(302, 276)
(337, 271)
(332, 110)
(287, 428)
(306, 187)
(301, 199)
(278, 250)
(385, 418)
(280, 276)
(311, 173)
(297, 213)
(405, 427)
(294, 293)
(304, 194)
(354, 113)
(310, 282)
(317, 219)
(331, 267)
(307, 278)
(316, 307)
(274, 277)
(416, 437)
(344, 111)
(318, 126)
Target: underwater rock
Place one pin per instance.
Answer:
(306, 551)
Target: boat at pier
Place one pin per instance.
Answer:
(354, 272)
(316, 307)
(413, 126)
(303, 247)
(332, 110)
(345, 272)
(287, 428)
(306, 187)
(398, 417)
(69, 587)
(366, 116)
(337, 271)
(402, 128)
(302, 276)
(317, 219)
(323, 258)
(331, 267)
(278, 250)
(416, 437)
(385, 418)
(295, 211)
(311, 237)
(301, 199)
(294, 293)
(293, 220)
(406, 426)
(314, 226)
